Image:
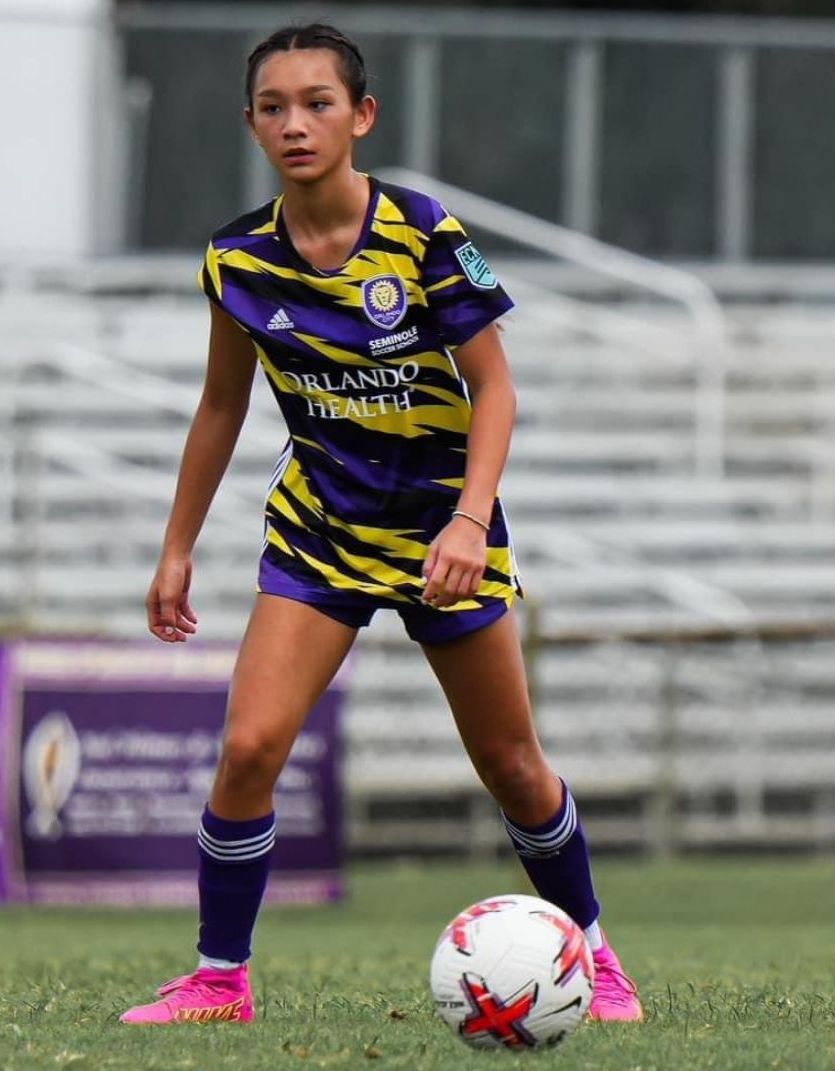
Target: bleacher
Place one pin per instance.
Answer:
(614, 530)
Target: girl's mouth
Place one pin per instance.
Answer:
(299, 156)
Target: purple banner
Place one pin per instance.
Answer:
(7, 737)
(117, 747)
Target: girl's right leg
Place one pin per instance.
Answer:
(288, 656)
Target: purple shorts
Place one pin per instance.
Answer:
(424, 624)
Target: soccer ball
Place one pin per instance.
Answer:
(512, 972)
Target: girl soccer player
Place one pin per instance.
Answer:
(373, 317)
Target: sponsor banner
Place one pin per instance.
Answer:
(117, 748)
(141, 889)
(6, 741)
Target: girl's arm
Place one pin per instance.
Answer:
(456, 559)
(209, 445)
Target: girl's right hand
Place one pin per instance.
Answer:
(170, 616)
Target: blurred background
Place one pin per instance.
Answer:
(655, 190)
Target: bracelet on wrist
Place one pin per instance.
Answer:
(470, 517)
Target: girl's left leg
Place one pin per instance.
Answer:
(483, 677)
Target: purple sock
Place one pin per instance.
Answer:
(556, 858)
(234, 864)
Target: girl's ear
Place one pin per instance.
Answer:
(364, 116)
(250, 122)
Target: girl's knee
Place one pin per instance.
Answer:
(247, 761)
(515, 774)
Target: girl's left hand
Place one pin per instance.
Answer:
(455, 563)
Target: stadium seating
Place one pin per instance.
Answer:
(613, 527)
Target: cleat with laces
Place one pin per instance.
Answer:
(207, 996)
(615, 995)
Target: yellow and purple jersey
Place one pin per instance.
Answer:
(361, 362)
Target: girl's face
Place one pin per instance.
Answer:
(302, 114)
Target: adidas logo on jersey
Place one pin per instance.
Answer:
(280, 321)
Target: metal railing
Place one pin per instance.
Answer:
(679, 588)
(734, 782)
(34, 449)
(723, 619)
(699, 301)
(124, 380)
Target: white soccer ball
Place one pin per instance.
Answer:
(512, 972)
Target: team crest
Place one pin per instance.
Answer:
(475, 267)
(384, 300)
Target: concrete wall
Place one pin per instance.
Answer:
(59, 105)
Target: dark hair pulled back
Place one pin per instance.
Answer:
(314, 35)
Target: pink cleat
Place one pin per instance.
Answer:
(615, 996)
(207, 996)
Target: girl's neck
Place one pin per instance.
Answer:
(318, 209)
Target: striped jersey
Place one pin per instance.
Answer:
(361, 362)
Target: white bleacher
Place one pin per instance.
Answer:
(609, 520)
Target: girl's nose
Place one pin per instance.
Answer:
(294, 122)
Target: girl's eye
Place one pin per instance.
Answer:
(272, 109)
(319, 105)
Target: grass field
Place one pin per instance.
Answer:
(736, 963)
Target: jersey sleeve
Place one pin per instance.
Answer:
(461, 291)
(208, 276)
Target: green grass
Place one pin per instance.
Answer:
(736, 963)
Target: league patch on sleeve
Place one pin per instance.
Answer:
(475, 267)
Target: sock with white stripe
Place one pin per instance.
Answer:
(217, 964)
(556, 858)
(234, 865)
